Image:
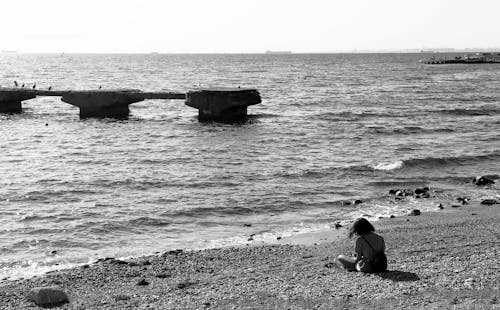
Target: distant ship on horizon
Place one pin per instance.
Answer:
(278, 52)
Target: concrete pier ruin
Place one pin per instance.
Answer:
(10, 100)
(223, 105)
(111, 103)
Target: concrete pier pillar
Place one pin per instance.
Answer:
(109, 103)
(10, 100)
(222, 105)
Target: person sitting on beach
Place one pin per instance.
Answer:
(370, 249)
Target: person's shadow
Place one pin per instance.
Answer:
(398, 276)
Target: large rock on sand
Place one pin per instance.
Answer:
(489, 202)
(48, 296)
(482, 180)
(415, 212)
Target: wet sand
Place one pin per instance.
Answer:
(444, 259)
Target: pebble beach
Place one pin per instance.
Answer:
(446, 259)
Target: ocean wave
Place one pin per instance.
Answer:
(254, 71)
(407, 130)
(469, 112)
(142, 184)
(399, 184)
(428, 162)
(431, 162)
(350, 115)
(149, 221)
(388, 166)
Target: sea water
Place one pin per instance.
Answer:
(331, 128)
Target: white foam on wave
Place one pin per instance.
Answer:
(29, 269)
(388, 166)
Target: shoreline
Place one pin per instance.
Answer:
(446, 258)
(249, 236)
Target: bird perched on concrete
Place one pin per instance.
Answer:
(50, 87)
(34, 86)
(100, 86)
(22, 86)
(15, 83)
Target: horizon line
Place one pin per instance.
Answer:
(273, 53)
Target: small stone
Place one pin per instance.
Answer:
(415, 212)
(142, 282)
(421, 190)
(463, 200)
(489, 202)
(112, 260)
(338, 225)
(247, 225)
(121, 297)
(48, 296)
(468, 282)
(408, 192)
(357, 202)
(392, 216)
(162, 275)
(105, 259)
(278, 238)
(146, 263)
(119, 262)
(173, 252)
(455, 206)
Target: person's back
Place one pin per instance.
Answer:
(370, 250)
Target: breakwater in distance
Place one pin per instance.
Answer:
(331, 129)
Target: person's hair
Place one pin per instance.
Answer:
(361, 227)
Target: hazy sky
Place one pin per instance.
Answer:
(245, 25)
